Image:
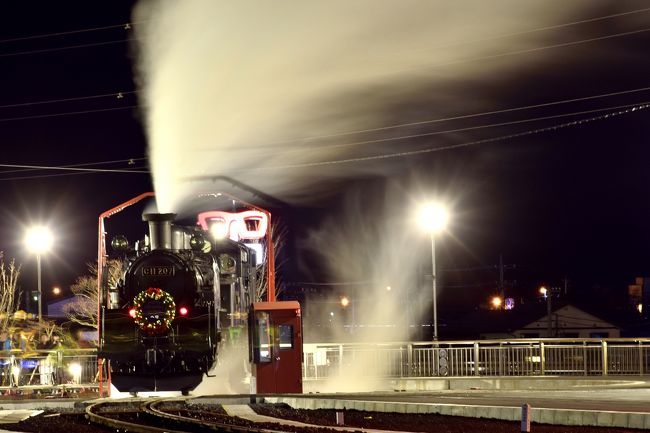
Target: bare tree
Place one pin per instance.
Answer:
(8, 294)
(83, 310)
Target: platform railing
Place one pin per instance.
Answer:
(55, 370)
(51, 370)
(536, 357)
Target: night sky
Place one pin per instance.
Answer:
(571, 200)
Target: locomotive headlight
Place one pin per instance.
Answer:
(219, 229)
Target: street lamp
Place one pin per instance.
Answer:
(433, 218)
(39, 240)
(496, 302)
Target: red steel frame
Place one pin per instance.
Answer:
(101, 257)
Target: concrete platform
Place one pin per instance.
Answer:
(556, 416)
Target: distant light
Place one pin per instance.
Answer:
(132, 312)
(183, 311)
(345, 301)
(496, 302)
(332, 313)
(639, 308)
(389, 288)
(434, 217)
(35, 298)
(75, 370)
(56, 290)
(543, 290)
(39, 239)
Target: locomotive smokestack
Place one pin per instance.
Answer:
(160, 229)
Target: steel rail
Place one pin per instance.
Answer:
(93, 416)
(151, 409)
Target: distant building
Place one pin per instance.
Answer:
(569, 322)
(57, 309)
(531, 321)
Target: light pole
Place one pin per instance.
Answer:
(38, 241)
(433, 218)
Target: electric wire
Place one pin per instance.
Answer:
(63, 168)
(69, 47)
(466, 116)
(468, 128)
(541, 29)
(531, 50)
(454, 146)
(125, 26)
(78, 98)
(69, 113)
(85, 164)
(135, 170)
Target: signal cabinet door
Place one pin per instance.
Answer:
(277, 349)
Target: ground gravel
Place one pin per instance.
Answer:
(419, 422)
(75, 422)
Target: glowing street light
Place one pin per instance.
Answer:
(39, 241)
(434, 218)
(56, 290)
(496, 302)
(345, 301)
(543, 291)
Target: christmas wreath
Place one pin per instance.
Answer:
(149, 318)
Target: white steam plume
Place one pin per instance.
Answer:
(223, 81)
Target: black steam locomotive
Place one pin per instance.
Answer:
(179, 292)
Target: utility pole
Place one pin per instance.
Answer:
(549, 321)
(501, 275)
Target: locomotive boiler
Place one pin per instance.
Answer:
(181, 293)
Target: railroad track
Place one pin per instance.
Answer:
(120, 416)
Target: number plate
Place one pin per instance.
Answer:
(158, 271)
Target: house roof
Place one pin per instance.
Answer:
(506, 321)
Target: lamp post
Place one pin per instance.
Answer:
(38, 241)
(433, 218)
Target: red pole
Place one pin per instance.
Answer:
(101, 259)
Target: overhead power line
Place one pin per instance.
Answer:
(69, 113)
(468, 128)
(41, 176)
(125, 26)
(79, 169)
(542, 29)
(79, 98)
(85, 164)
(455, 146)
(69, 47)
(464, 116)
(535, 49)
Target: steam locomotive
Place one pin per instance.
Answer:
(181, 293)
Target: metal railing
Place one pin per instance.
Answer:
(54, 370)
(48, 369)
(539, 357)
